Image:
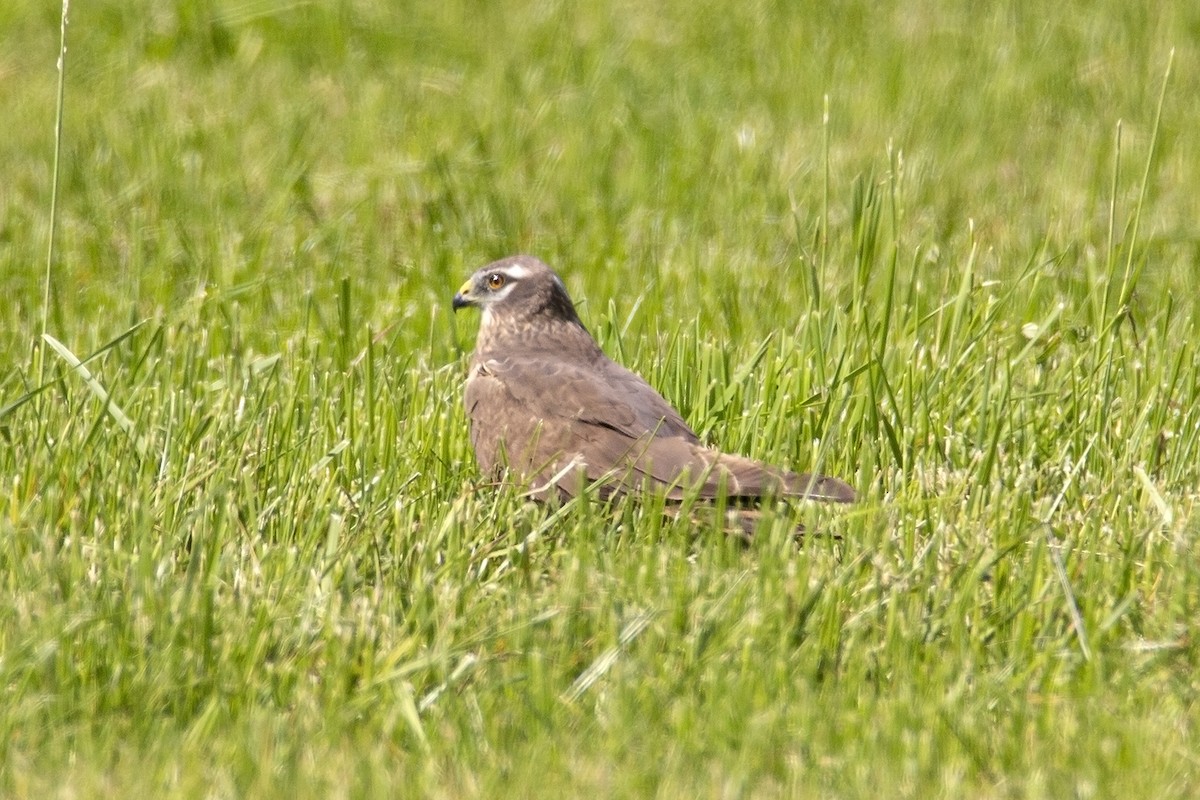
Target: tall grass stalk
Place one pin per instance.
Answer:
(55, 171)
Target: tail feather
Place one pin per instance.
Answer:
(681, 468)
(738, 476)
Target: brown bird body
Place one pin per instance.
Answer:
(544, 401)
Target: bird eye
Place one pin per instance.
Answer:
(495, 281)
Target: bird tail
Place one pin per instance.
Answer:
(744, 477)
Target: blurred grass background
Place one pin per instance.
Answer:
(929, 244)
(278, 148)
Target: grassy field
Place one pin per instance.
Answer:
(950, 253)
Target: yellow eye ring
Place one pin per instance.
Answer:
(495, 281)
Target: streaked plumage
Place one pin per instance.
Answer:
(544, 401)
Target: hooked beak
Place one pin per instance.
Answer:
(462, 298)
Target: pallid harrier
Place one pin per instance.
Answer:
(545, 402)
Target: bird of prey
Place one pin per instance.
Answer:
(545, 403)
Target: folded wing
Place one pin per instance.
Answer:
(561, 424)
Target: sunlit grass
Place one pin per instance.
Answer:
(944, 253)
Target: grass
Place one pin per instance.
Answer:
(947, 253)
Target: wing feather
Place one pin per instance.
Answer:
(559, 423)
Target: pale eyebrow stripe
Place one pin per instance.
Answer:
(516, 271)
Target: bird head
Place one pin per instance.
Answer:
(518, 289)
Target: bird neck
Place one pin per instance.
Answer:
(500, 335)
